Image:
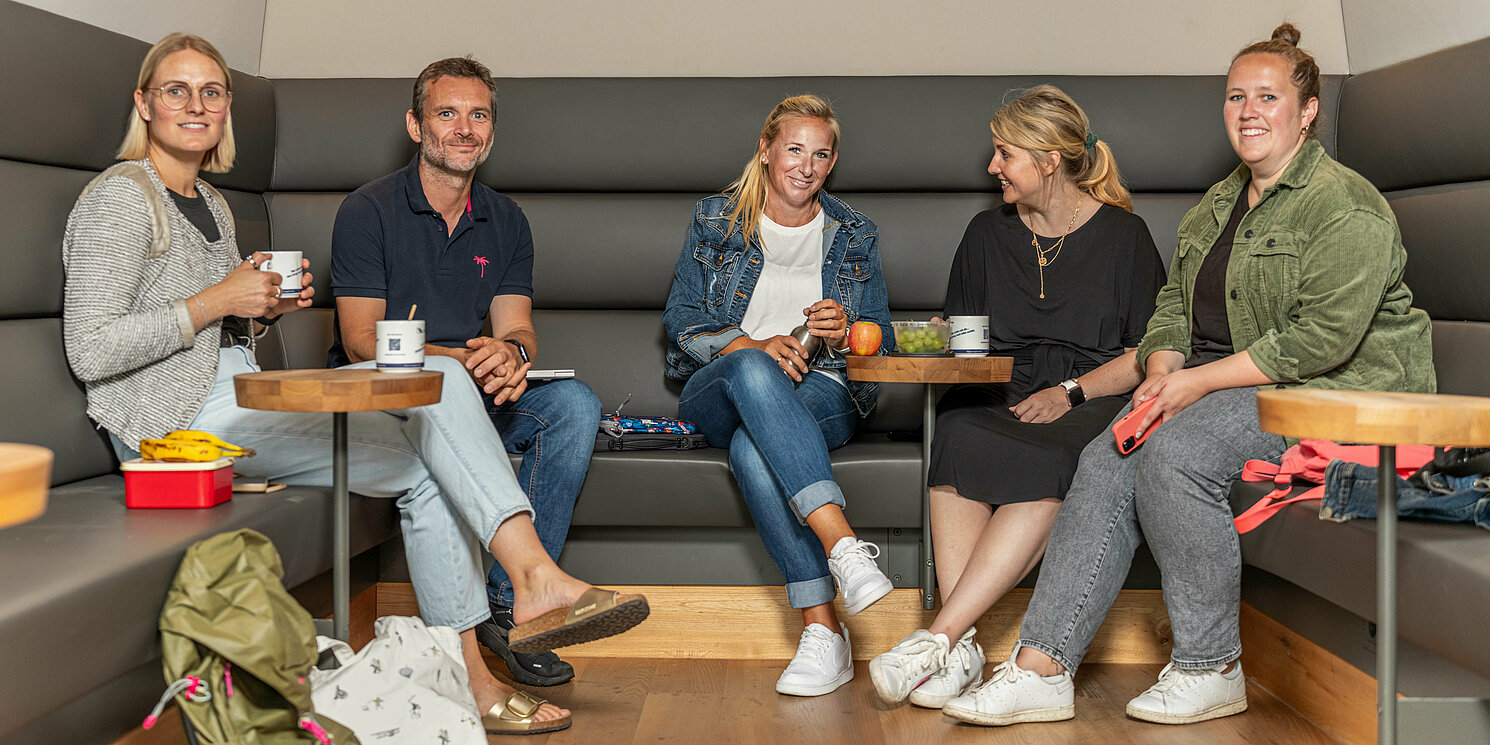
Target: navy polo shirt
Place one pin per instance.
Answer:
(389, 243)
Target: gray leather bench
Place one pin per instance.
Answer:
(607, 170)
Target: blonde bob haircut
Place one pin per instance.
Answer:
(136, 143)
(747, 194)
(1043, 119)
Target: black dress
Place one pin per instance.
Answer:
(1099, 294)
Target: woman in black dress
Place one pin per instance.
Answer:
(1067, 276)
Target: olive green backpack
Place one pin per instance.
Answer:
(237, 649)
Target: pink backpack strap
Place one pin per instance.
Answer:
(1268, 506)
(1307, 462)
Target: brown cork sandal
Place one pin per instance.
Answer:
(595, 615)
(514, 716)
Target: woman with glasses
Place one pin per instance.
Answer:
(159, 318)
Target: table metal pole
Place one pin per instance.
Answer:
(928, 560)
(1386, 596)
(341, 548)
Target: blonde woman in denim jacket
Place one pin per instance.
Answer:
(772, 253)
(1288, 273)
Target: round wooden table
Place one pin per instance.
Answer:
(338, 392)
(25, 476)
(929, 371)
(1387, 420)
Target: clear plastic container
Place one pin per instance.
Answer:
(922, 338)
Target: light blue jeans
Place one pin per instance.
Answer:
(1173, 492)
(778, 433)
(553, 425)
(443, 463)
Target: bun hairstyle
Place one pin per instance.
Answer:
(1305, 76)
(136, 143)
(1044, 119)
(747, 194)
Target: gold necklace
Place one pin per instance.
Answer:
(1047, 256)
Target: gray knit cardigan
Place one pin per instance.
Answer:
(125, 322)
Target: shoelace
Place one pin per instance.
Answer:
(862, 548)
(1003, 671)
(1171, 678)
(813, 646)
(927, 645)
(966, 658)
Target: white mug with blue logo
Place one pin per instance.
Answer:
(969, 336)
(290, 269)
(400, 346)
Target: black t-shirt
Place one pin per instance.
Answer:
(1099, 292)
(1210, 332)
(196, 212)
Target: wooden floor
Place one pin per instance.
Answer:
(618, 701)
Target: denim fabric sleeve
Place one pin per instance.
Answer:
(876, 304)
(1342, 271)
(688, 324)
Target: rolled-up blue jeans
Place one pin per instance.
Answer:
(778, 433)
(553, 425)
(443, 463)
(1172, 491)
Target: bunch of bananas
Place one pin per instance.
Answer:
(190, 445)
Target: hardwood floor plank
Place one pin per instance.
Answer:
(738, 622)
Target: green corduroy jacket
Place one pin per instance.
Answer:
(1314, 286)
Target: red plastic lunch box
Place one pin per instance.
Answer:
(155, 484)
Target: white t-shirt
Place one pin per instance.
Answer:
(792, 278)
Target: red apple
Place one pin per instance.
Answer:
(864, 338)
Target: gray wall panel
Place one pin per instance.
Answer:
(650, 134)
(34, 203)
(87, 76)
(43, 404)
(1445, 229)
(1419, 122)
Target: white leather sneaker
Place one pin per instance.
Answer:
(908, 664)
(1185, 696)
(1012, 695)
(963, 670)
(859, 579)
(824, 662)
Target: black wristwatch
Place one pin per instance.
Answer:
(1074, 394)
(522, 351)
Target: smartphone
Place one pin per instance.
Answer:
(550, 374)
(1123, 431)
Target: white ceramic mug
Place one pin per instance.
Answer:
(400, 346)
(287, 264)
(969, 336)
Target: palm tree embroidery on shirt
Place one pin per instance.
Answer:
(482, 262)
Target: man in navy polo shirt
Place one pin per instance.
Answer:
(429, 235)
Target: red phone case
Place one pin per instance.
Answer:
(1123, 431)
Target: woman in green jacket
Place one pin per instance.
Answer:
(1288, 273)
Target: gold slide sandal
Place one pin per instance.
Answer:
(595, 615)
(514, 716)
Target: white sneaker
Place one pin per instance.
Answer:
(908, 664)
(824, 662)
(963, 670)
(859, 579)
(1185, 696)
(1012, 695)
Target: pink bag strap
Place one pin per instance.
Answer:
(1304, 464)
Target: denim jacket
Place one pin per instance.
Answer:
(715, 276)
(1314, 287)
